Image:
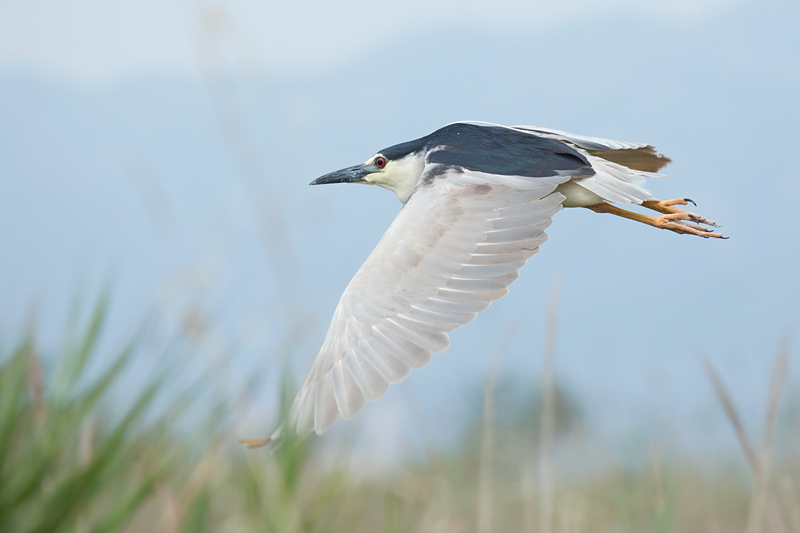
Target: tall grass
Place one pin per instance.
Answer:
(71, 459)
(63, 465)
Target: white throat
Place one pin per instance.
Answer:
(400, 176)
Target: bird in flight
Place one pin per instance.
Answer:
(477, 198)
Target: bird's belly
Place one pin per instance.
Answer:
(577, 196)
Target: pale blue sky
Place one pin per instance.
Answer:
(92, 41)
(138, 141)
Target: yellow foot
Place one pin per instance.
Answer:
(688, 224)
(668, 207)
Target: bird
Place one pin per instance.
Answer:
(477, 198)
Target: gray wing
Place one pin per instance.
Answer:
(637, 156)
(453, 249)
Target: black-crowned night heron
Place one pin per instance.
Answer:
(477, 198)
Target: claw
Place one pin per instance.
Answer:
(687, 223)
(677, 214)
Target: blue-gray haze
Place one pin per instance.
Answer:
(194, 192)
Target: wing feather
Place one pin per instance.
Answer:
(371, 382)
(325, 409)
(494, 286)
(638, 156)
(583, 141)
(392, 368)
(454, 248)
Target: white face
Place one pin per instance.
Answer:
(399, 176)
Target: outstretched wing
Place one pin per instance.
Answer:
(453, 249)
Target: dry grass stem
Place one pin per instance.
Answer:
(548, 414)
(254, 443)
(759, 501)
(36, 385)
(199, 480)
(447, 491)
(730, 411)
(487, 434)
(762, 504)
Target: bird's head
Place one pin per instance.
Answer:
(397, 168)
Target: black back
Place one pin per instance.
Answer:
(496, 150)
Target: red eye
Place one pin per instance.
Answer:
(380, 162)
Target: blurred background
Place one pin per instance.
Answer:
(167, 276)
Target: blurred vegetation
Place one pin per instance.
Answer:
(73, 459)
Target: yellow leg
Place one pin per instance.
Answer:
(679, 221)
